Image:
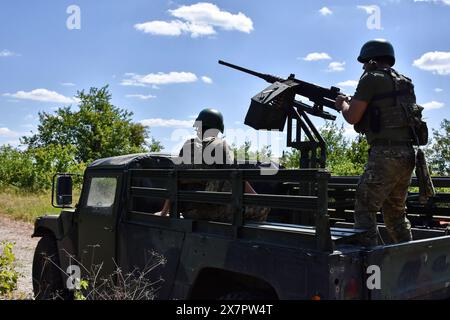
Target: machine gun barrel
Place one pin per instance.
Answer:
(268, 77)
(320, 96)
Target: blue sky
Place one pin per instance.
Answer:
(160, 57)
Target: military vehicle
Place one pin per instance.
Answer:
(307, 248)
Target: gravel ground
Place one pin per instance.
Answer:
(20, 233)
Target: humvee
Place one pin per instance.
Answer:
(307, 248)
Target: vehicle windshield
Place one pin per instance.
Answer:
(102, 191)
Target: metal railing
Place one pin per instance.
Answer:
(315, 201)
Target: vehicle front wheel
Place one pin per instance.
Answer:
(47, 279)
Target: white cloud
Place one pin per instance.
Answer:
(433, 105)
(368, 9)
(163, 28)
(336, 66)
(140, 96)
(325, 11)
(6, 53)
(204, 13)
(438, 90)
(348, 83)
(349, 132)
(68, 84)
(315, 56)
(158, 78)
(7, 133)
(41, 95)
(171, 123)
(446, 2)
(434, 61)
(206, 79)
(174, 28)
(197, 20)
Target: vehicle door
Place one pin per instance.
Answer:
(98, 214)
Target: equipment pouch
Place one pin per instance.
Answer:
(426, 187)
(375, 119)
(420, 126)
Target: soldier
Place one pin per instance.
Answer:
(378, 110)
(208, 148)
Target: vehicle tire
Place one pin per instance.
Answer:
(47, 280)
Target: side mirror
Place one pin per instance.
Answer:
(63, 190)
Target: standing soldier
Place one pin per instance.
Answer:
(381, 109)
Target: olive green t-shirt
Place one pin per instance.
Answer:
(371, 84)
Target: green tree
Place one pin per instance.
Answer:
(344, 156)
(97, 130)
(16, 168)
(290, 159)
(438, 153)
(336, 143)
(243, 152)
(358, 155)
(33, 169)
(263, 155)
(51, 159)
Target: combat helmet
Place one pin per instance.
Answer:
(377, 48)
(210, 119)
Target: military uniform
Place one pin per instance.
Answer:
(212, 151)
(387, 175)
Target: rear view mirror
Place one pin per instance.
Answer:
(63, 194)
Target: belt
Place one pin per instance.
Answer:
(387, 142)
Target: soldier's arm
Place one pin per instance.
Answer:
(352, 110)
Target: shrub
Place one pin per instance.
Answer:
(136, 284)
(33, 169)
(8, 273)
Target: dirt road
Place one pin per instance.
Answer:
(20, 233)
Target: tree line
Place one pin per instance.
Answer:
(67, 140)
(347, 156)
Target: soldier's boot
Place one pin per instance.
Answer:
(367, 221)
(398, 227)
(397, 224)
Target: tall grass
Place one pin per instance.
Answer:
(26, 206)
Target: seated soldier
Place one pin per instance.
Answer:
(208, 148)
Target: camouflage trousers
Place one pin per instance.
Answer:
(221, 213)
(384, 185)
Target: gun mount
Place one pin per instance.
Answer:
(270, 109)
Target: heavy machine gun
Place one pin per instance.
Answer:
(270, 109)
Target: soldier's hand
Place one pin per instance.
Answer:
(340, 101)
